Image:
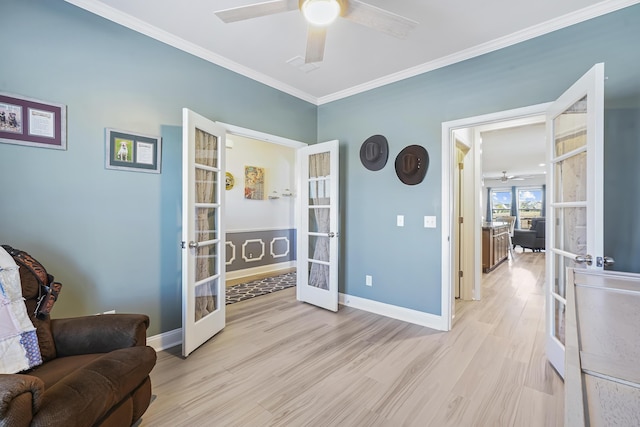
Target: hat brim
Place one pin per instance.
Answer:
(383, 150)
(416, 175)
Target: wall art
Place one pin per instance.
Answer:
(133, 152)
(28, 121)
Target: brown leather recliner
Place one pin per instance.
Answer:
(95, 371)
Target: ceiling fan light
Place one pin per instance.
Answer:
(320, 12)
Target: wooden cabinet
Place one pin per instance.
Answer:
(495, 245)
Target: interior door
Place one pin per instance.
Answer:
(317, 255)
(203, 267)
(575, 212)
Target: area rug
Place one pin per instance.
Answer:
(244, 291)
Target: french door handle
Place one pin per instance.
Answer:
(586, 259)
(193, 244)
(604, 261)
(331, 234)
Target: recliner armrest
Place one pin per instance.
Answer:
(99, 334)
(20, 398)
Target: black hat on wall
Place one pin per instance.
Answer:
(412, 164)
(374, 152)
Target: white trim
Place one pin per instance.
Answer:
(173, 338)
(558, 23)
(266, 137)
(448, 144)
(257, 230)
(233, 248)
(272, 252)
(165, 340)
(246, 272)
(149, 30)
(400, 313)
(142, 27)
(244, 247)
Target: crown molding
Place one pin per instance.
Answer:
(564, 21)
(142, 27)
(107, 12)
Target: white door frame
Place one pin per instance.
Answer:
(273, 139)
(448, 220)
(261, 136)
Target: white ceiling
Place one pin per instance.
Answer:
(356, 58)
(520, 151)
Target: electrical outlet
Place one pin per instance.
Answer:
(368, 280)
(400, 220)
(429, 222)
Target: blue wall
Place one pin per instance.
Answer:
(405, 262)
(111, 237)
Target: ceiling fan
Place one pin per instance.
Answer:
(505, 178)
(320, 14)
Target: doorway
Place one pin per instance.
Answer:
(473, 128)
(261, 228)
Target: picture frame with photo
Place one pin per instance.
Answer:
(132, 152)
(32, 122)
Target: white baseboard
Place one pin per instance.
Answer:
(253, 271)
(172, 338)
(165, 340)
(400, 313)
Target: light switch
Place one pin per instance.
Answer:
(429, 222)
(400, 221)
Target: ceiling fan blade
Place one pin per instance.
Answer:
(316, 37)
(379, 19)
(256, 10)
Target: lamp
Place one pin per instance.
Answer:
(320, 12)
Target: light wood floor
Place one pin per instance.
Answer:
(280, 362)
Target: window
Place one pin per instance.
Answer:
(529, 205)
(500, 204)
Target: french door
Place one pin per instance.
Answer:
(575, 126)
(317, 253)
(203, 246)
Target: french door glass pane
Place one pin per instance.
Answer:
(561, 264)
(206, 186)
(206, 149)
(559, 320)
(319, 165)
(571, 230)
(570, 128)
(319, 192)
(206, 261)
(571, 179)
(319, 220)
(206, 295)
(319, 248)
(206, 224)
(319, 275)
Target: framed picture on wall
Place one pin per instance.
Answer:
(29, 121)
(132, 152)
(253, 183)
